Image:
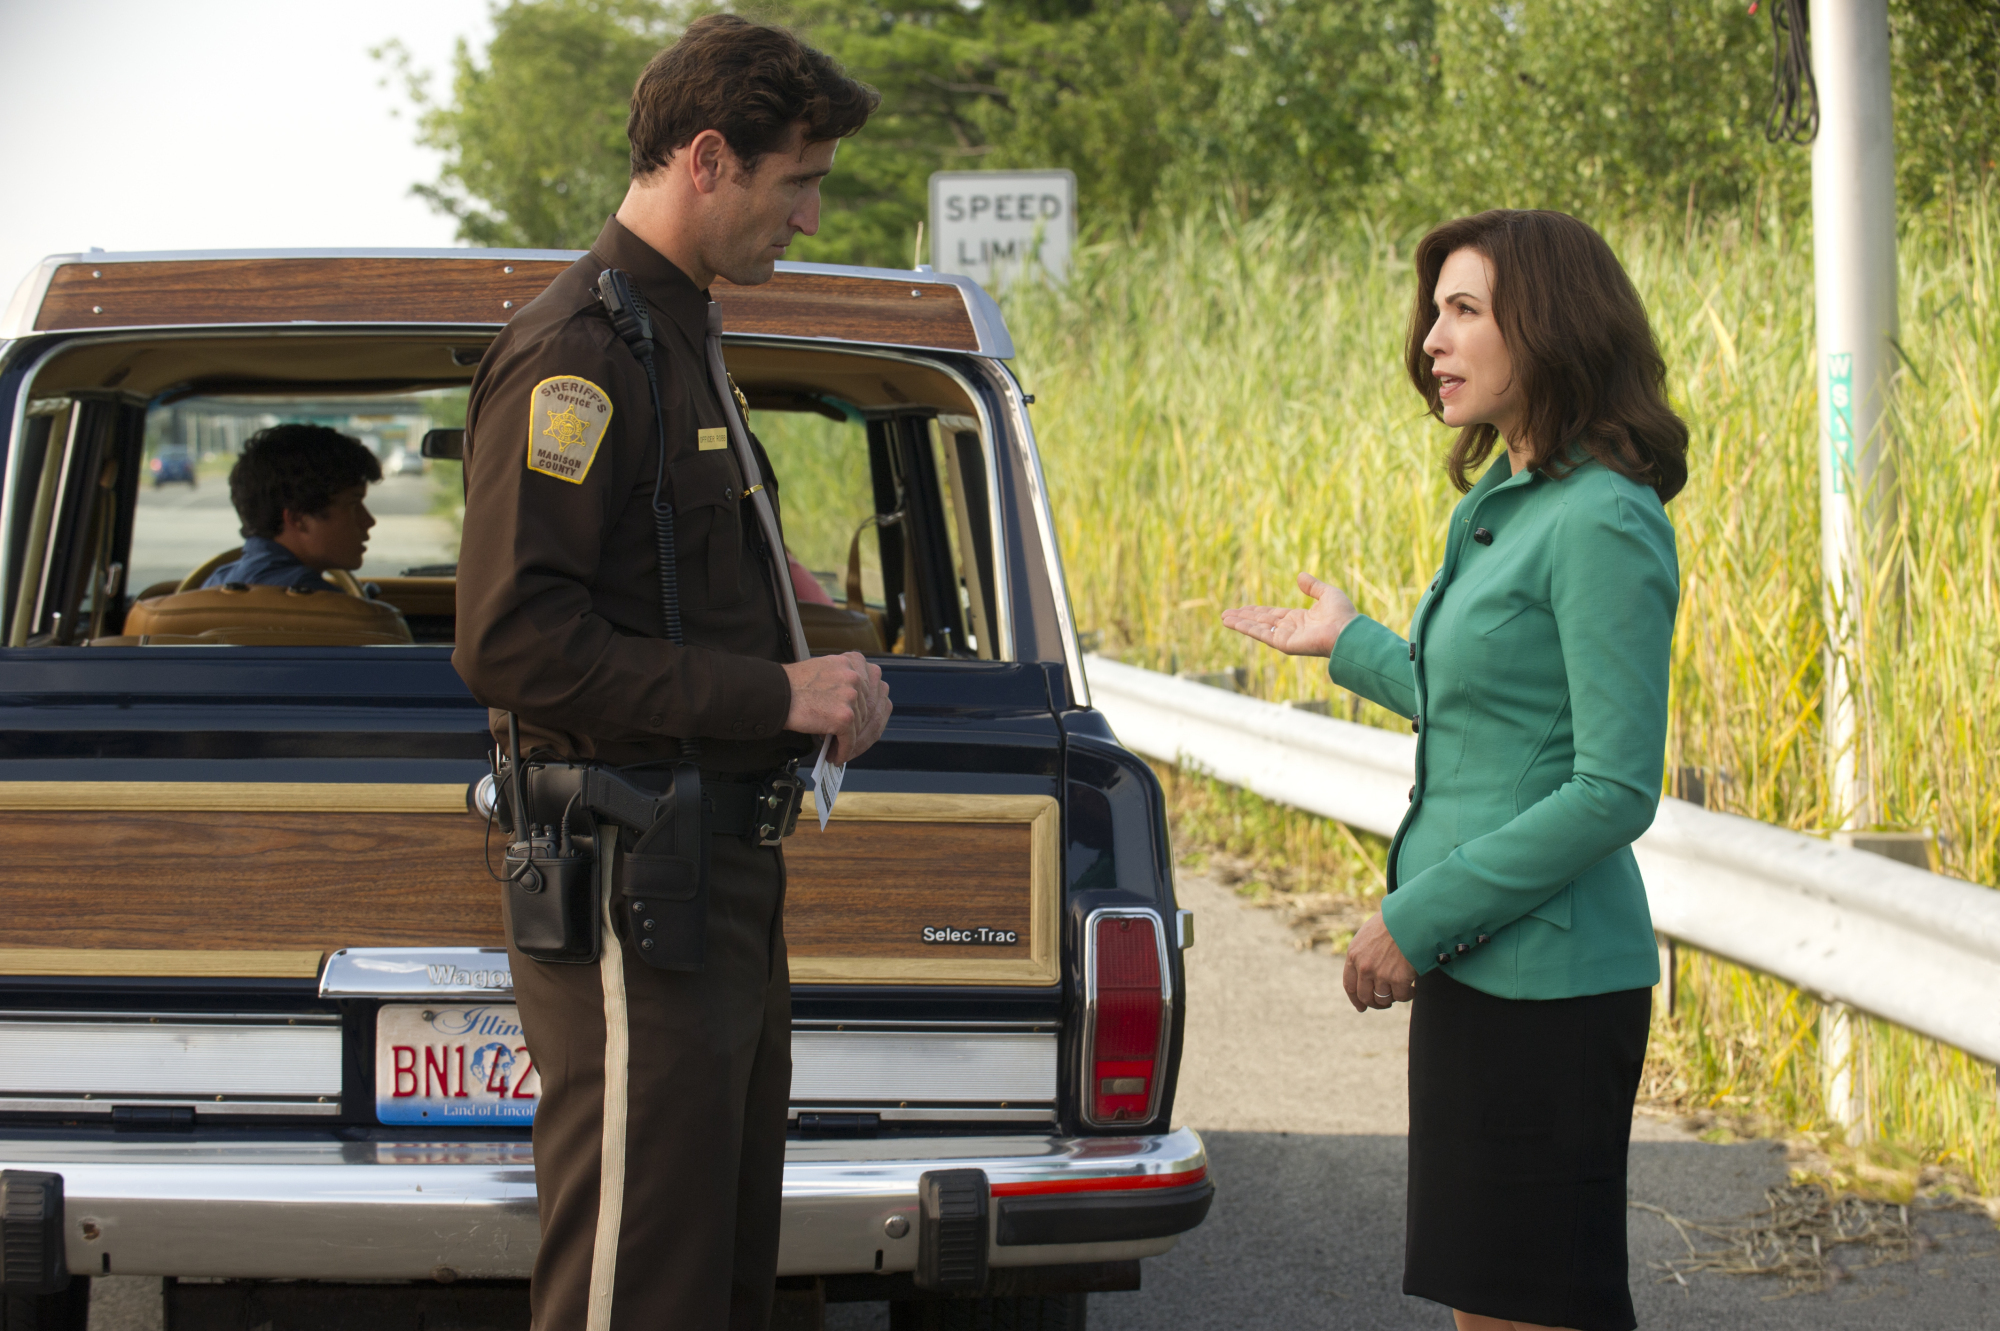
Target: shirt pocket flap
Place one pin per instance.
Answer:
(709, 479)
(1556, 910)
(708, 490)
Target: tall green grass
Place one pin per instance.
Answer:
(1222, 405)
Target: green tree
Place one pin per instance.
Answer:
(1589, 106)
(934, 63)
(1152, 102)
(1404, 110)
(534, 135)
(1947, 82)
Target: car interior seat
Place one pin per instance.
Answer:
(242, 615)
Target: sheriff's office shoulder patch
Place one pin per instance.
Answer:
(566, 423)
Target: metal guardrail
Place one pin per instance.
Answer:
(1914, 948)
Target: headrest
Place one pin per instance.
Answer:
(243, 615)
(831, 629)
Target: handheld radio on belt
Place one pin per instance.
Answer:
(659, 859)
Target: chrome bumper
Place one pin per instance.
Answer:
(387, 1211)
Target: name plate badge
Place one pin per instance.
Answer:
(453, 1063)
(990, 937)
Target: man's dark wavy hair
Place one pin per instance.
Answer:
(296, 467)
(1580, 343)
(748, 81)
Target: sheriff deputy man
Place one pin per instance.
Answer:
(659, 1136)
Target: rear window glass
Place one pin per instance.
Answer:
(118, 503)
(184, 517)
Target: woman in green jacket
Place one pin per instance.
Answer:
(1535, 676)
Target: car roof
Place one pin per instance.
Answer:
(461, 288)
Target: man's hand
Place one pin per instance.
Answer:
(1310, 631)
(842, 696)
(1377, 973)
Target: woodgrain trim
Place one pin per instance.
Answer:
(152, 963)
(271, 867)
(472, 290)
(850, 309)
(1043, 964)
(232, 796)
(359, 289)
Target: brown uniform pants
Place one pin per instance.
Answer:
(660, 1134)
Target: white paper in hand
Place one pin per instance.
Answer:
(826, 782)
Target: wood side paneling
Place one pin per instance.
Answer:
(233, 796)
(191, 886)
(184, 292)
(154, 963)
(851, 309)
(869, 889)
(180, 292)
(249, 882)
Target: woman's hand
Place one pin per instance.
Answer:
(1310, 631)
(1377, 973)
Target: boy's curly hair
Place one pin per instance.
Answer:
(296, 467)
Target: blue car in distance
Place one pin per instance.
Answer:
(172, 464)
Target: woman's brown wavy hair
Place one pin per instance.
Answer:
(1580, 342)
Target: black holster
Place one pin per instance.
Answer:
(659, 860)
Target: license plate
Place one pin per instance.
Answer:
(464, 1063)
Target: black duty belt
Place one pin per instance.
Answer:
(763, 810)
(767, 810)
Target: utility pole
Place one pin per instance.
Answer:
(1854, 286)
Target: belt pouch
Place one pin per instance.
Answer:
(662, 879)
(552, 886)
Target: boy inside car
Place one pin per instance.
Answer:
(299, 490)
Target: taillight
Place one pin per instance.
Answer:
(1125, 1036)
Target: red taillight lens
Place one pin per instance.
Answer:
(1125, 1042)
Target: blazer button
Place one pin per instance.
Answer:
(1483, 536)
(1463, 949)
(1413, 794)
(1415, 728)
(1443, 957)
(1413, 651)
(1482, 938)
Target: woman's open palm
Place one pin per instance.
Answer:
(1297, 631)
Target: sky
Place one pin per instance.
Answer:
(211, 124)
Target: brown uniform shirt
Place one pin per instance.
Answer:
(558, 581)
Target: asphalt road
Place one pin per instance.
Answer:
(1302, 1102)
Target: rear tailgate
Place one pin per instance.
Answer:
(196, 835)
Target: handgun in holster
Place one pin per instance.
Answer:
(659, 858)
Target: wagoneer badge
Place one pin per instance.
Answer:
(1002, 937)
(387, 972)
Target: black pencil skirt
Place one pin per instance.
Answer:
(1520, 1116)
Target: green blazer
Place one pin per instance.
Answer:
(1536, 676)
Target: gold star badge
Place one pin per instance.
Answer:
(566, 428)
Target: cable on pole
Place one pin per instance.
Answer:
(1794, 114)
